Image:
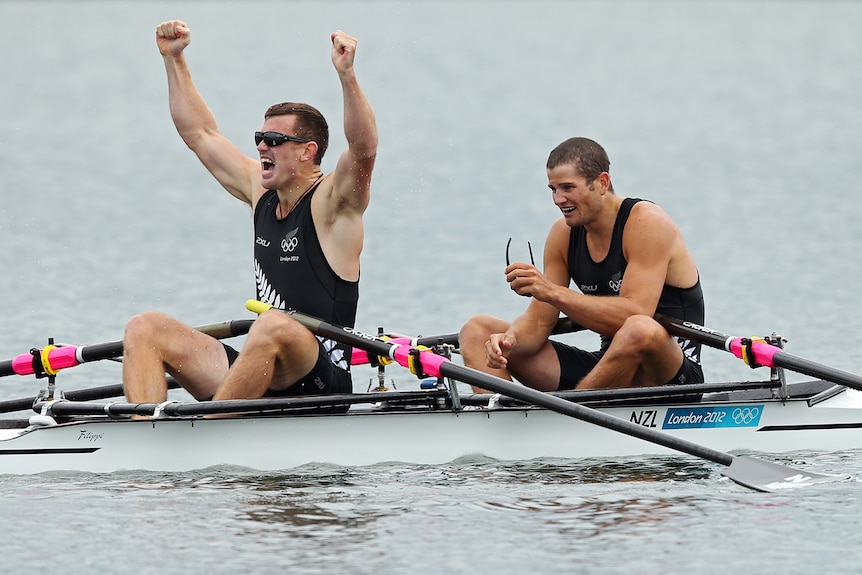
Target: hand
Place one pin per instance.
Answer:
(172, 37)
(497, 349)
(343, 51)
(527, 280)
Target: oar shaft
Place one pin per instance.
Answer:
(563, 325)
(86, 394)
(814, 369)
(765, 354)
(689, 330)
(237, 406)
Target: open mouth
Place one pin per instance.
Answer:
(267, 165)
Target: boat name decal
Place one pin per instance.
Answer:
(85, 435)
(716, 416)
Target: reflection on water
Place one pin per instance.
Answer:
(304, 500)
(594, 509)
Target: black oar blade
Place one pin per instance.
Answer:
(767, 476)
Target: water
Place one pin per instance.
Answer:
(742, 119)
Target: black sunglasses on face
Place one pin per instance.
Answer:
(273, 139)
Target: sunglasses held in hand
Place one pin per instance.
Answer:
(529, 247)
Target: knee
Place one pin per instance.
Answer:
(145, 327)
(639, 333)
(477, 329)
(474, 327)
(275, 328)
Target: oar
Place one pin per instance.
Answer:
(563, 325)
(86, 394)
(51, 359)
(757, 352)
(748, 471)
(235, 406)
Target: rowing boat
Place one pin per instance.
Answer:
(436, 423)
(421, 427)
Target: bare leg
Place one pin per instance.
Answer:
(641, 354)
(155, 343)
(539, 370)
(472, 340)
(278, 352)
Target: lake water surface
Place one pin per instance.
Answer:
(742, 119)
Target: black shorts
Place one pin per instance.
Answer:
(323, 379)
(575, 363)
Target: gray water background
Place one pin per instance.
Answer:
(742, 119)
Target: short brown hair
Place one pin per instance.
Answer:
(310, 124)
(587, 156)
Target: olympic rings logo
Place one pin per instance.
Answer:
(289, 245)
(745, 415)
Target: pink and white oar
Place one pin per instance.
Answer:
(757, 352)
(51, 359)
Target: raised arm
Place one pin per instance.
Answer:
(237, 173)
(351, 190)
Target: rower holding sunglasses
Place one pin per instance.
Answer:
(308, 238)
(610, 265)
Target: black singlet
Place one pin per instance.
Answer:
(291, 271)
(605, 278)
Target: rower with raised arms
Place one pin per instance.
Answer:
(308, 238)
(628, 260)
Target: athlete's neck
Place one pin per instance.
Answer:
(288, 202)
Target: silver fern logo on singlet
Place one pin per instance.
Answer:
(689, 348)
(336, 355)
(265, 292)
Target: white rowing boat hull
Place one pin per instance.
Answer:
(366, 436)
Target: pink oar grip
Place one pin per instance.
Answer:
(58, 358)
(431, 362)
(764, 353)
(62, 357)
(359, 357)
(23, 364)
